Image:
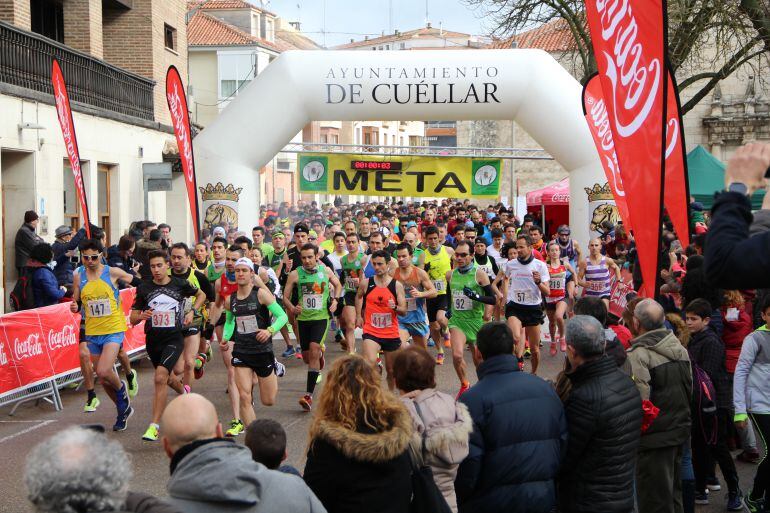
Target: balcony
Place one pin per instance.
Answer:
(25, 62)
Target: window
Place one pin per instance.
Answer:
(104, 199)
(415, 140)
(284, 165)
(387, 47)
(47, 19)
(236, 70)
(169, 36)
(255, 28)
(270, 30)
(402, 45)
(371, 136)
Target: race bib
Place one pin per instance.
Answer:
(163, 319)
(411, 304)
(596, 286)
(246, 324)
(99, 308)
(312, 302)
(524, 297)
(351, 283)
(556, 283)
(382, 320)
(439, 284)
(461, 302)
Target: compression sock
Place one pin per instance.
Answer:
(91, 394)
(312, 377)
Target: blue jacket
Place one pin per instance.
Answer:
(45, 287)
(518, 441)
(63, 270)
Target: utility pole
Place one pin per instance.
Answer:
(390, 16)
(427, 17)
(324, 29)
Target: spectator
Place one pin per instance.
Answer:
(595, 307)
(733, 259)
(266, 440)
(661, 370)
(63, 251)
(165, 234)
(707, 352)
(44, 286)
(26, 238)
(358, 457)
(211, 473)
(79, 470)
(516, 416)
(121, 256)
(604, 415)
(443, 423)
(142, 249)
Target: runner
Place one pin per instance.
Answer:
(594, 273)
(526, 285)
(258, 240)
(353, 265)
(570, 249)
(470, 290)
(201, 260)
(95, 287)
(161, 304)
(438, 261)
(194, 348)
(248, 327)
(312, 282)
(378, 302)
(335, 255)
(376, 243)
(489, 265)
(539, 247)
(274, 262)
(418, 288)
(556, 302)
(217, 266)
(418, 254)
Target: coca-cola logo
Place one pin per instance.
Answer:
(64, 338)
(28, 347)
(635, 75)
(672, 135)
(600, 126)
(176, 106)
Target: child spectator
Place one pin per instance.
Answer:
(266, 439)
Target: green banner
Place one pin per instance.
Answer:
(486, 177)
(313, 173)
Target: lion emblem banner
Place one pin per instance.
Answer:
(220, 205)
(602, 210)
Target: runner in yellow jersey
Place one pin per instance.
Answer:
(438, 261)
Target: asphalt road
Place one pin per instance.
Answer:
(32, 423)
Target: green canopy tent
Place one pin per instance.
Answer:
(707, 176)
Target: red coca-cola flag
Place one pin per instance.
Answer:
(180, 117)
(64, 112)
(677, 191)
(29, 352)
(628, 38)
(595, 112)
(135, 338)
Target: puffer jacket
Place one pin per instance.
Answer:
(751, 388)
(519, 438)
(733, 334)
(604, 415)
(445, 425)
(660, 367)
(707, 350)
(362, 471)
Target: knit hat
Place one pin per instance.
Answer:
(30, 215)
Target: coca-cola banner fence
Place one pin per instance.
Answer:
(628, 38)
(41, 344)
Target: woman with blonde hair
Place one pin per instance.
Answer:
(358, 457)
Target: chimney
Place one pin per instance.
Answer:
(351, 39)
(427, 25)
(295, 25)
(397, 33)
(366, 38)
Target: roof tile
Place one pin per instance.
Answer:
(206, 30)
(554, 36)
(423, 32)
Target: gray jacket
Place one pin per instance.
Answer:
(751, 382)
(26, 239)
(219, 475)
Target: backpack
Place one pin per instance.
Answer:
(22, 296)
(704, 407)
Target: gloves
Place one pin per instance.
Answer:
(469, 293)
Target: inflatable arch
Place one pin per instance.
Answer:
(528, 86)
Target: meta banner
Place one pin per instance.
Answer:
(399, 176)
(64, 112)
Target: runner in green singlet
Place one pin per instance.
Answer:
(353, 265)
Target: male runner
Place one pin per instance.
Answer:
(594, 272)
(418, 288)
(258, 240)
(489, 265)
(335, 256)
(525, 288)
(161, 304)
(376, 243)
(539, 247)
(274, 262)
(217, 266)
(418, 254)
(313, 282)
(248, 327)
(365, 230)
(378, 302)
(569, 249)
(438, 261)
(353, 265)
(194, 346)
(95, 287)
(470, 290)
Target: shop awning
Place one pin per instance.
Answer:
(707, 176)
(556, 194)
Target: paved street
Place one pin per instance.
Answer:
(33, 423)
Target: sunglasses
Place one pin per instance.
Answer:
(313, 238)
(91, 258)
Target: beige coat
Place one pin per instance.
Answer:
(447, 426)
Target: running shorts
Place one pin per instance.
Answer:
(191, 330)
(433, 305)
(550, 307)
(470, 327)
(350, 299)
(263, 364)
(166, 353)
(415, 328)
(312, 331)
(386, 344)
(96, 343)
(528, 315)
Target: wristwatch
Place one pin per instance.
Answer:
(738, 187)
(271, 330)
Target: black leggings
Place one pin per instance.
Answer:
(702, 454)
(762, 479)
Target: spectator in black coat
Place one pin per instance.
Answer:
(595, 307)
(604, 415)
(121, 256)
(63, 249)
(519, 434)
(734, 261)
(26, 238)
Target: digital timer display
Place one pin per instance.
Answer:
(375, 164)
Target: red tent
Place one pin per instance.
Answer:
(554, 196)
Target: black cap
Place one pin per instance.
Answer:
(30, 215)
(301, 228)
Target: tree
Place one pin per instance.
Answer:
(708, 40)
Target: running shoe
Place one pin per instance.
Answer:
(289, 352)
(440, 359)
(527, 352)
(280, 369)
(236, 428)
(151, 435)
(319, 378)
(701, 498)
(563, 344)
(463, 388)
(306, 401)
(521, 365)
(754, 505)
(200, 363)
(186, 389)
(338, 336)
(553, 349)
(298, 355)
(209, 353)
(91, 405)
(431, 343)
(712, 483)
(122, 421)
(447, 343)
(133, 383)
(735, 501)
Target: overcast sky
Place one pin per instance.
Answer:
(346, 19)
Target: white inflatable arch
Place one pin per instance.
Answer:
(528, 86)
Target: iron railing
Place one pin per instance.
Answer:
(25, 62)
